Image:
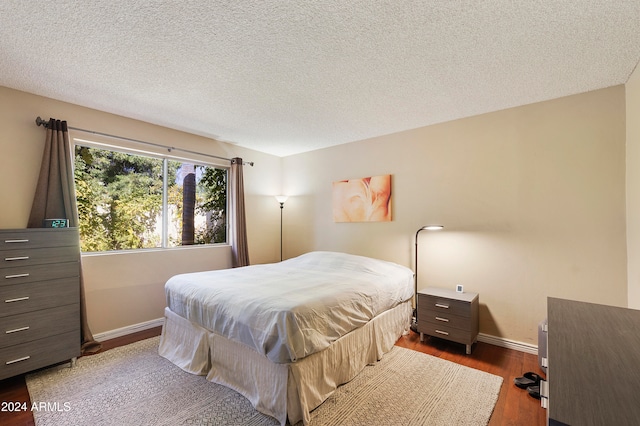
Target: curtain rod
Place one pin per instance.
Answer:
(41, 122)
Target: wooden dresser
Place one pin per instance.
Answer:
(449, 315)
(593, 373)
(40, 297)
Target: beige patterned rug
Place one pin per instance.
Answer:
(133, 385)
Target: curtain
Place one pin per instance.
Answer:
(239, 247)
(55, 197)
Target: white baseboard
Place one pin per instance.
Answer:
(509, 344)
(119, 332)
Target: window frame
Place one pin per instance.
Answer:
(130, 148)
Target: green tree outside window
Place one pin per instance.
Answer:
(120, 201)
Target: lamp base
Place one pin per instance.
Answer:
(414, 322)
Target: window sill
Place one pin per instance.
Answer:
(155, 250)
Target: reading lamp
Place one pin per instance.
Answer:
(414, 323)
(281, 199)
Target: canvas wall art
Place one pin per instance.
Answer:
(362, 200)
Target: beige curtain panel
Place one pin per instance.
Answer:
(239, 246)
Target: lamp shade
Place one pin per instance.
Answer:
(432, 227)
(282, 198)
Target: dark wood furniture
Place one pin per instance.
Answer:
(40, 298)
(593, 356)
(449, 315)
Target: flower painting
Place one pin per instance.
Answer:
(362, 200)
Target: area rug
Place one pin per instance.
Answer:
(133, 385)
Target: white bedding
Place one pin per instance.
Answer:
(289, 310)
(282, 391)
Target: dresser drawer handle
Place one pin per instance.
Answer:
(442, 319)
(24, 358)
(16, 276)
(442, 332)
(18, 299)
(440, 305)
(15, 330)
(9, 259)
(15, 241)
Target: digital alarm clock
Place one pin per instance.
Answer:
(56, 223)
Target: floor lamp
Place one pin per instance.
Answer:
(414, 322)
(281, 199)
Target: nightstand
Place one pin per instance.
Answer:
(449, 315)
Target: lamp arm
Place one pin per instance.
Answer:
(414, 325)
(415, 275)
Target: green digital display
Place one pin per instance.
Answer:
(56, 223)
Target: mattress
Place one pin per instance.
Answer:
(292, 309)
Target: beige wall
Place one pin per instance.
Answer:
(633, 187)
(533, 200)
(126, 289)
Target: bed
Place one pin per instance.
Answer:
(287, 334)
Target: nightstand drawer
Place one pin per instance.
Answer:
(22, 328)
(455, 335)
(39, 353)
(445, 320)
(21, 298)
(442, 305)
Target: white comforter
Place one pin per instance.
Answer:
(294, 308)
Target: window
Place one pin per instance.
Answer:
(128, 200)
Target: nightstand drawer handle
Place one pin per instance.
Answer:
(442, 319)
(15, 330)
(18, 299)
(440, 305)
(24, 358)
(16, 276)
(16, 241)
(442, 332)
(9, 259)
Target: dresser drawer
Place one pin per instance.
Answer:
(17, 329)
(33, 273)
(27, 257)
(18, 299)
(453, 334)
(445, 319)
(441, 305)
(38, 238)
(29, 356)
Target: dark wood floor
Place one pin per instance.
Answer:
(514, 406)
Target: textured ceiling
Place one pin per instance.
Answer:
(285, 77)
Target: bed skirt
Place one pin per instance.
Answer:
(289, 390)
